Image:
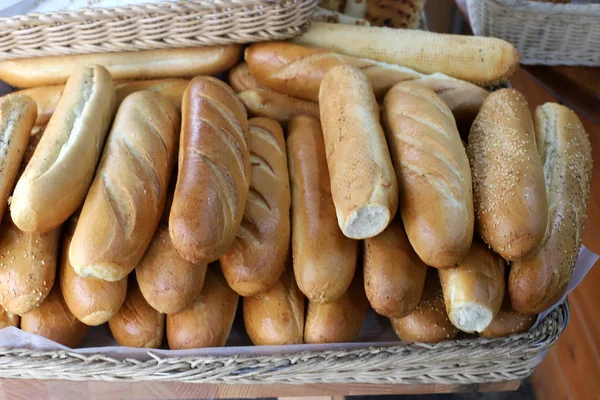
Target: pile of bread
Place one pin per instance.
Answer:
(155, 204)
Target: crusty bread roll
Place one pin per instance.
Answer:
(168, 282)
(508, 181)
(137, 324)
(8, 319)
(276, 316)
(172, 89)
(540, 279)
(324, 259)
(297, 71)
(214, 171)
(363, 183)
(394, 274)
(72, 142)
(27, 266)
(17, 118)
(436, 199)
(508, 321)
(46, 98)
(53, 320)
(146, 64)
(93, 301)
(241, 79)
(473, 291)
(339, 321)
(428, 322)
(126, 199)
(484, 60)
(208, 321)
(257, 257)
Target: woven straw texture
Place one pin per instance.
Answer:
(153, 26)
(544, 33)
(453, 362)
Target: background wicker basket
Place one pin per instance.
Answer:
(544, 33)
(153, 26)
(462, 361)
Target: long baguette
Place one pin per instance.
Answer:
(484, 60)
(172, 89)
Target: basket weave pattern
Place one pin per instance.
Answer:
(457, 361)
(544, 33)
(153, 26)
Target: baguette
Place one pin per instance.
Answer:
(473, 291)
(168, 282)
(137, 65)
(394, 275)
(297, 71)
(257, 257)
(126, 199)
(53, 320)
(363, 183)
(72, 142)
(431, 163)
(324, 259)
(214, 172)
(540, 279)
(483, 60)
(508, 322)
(208, 321)
(428, 322)
(17, 118)
(46, 98)
(137, 324)
(339, 321)
(508, 181)
(276, 316)
(172, 89)
(8, 319)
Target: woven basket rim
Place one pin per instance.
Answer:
(566, 9)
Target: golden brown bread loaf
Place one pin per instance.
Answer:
(72, 142)
(46, 98)
(324, 259)
(8, 319)
(508, 181)
(394, 274)
(172, 89)
(364, 187)
(297, 71)
(214, 171)
(339, 321)
(540, 279)
(53, 320)
(208, 321)
(137, 324)
(473, 291)
(145, 64)
(429, 321)
(276, 316)
(436, 199)
(168, 282)
(126, 199)
(241, 79)
(508, 321)
(257, 256)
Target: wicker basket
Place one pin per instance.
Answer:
(544, 33)
(153, 26)
(452, 362)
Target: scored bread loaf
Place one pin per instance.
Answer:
(394, 274)
(508, 181)
(436, 199)
(241, 79)
(484, 60)
(540, 279)
(473, 291)
(172, 89)
(53, 320)
(208, 321)
(137, 324)
(46, 98)
(214, 171)
(257, 256)
(428, 322)
(72, 142)
(297, 71)
(8, 319)
(276, 316)
(133, 65)
(324, 259)
(508, 321)
(363, 183)
(125, 202)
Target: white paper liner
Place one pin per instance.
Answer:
(10, 8)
